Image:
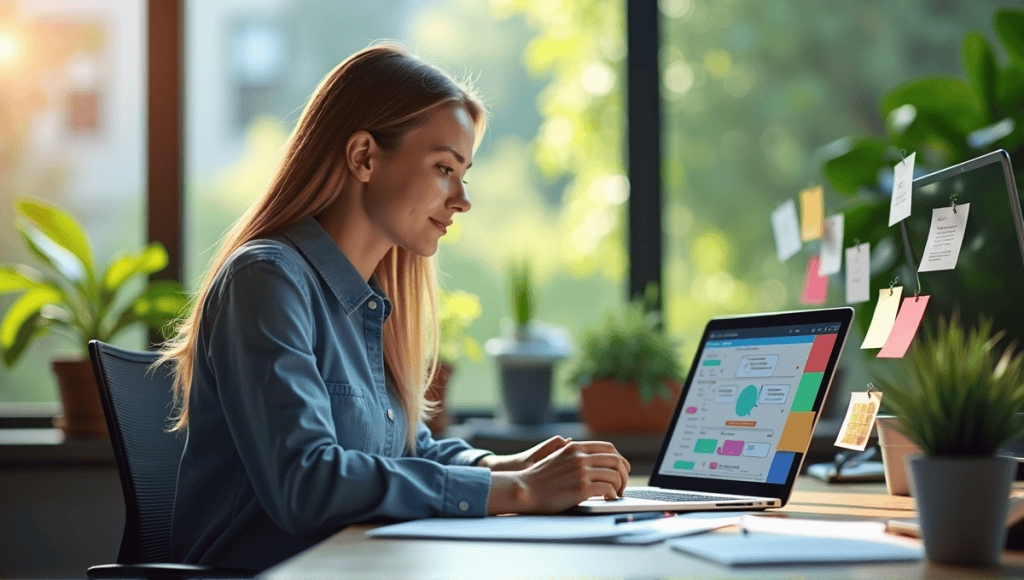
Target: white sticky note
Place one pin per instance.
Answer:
(858, 273)
(832, 246)
(902, 184)
(787, 230)
(884, 317)
(859, 420)
(942, 250)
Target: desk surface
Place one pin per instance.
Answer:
(349, 554)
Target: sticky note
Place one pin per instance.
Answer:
(832, 246)
(796, 434)
(858, 273)
(905, 328)
(787, 234)
(860, 418)
(815, 285)
(946, 235)
(902, 184)
(884, 317)
(812, 207)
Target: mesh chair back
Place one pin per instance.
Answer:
(137, 403)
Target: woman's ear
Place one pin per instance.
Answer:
(360, 150)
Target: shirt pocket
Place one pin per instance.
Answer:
(351, 411)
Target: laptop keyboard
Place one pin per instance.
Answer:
(673, 496)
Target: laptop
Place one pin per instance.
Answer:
(745, 416)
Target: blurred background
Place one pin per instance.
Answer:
(755, 98)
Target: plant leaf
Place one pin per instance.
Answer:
(152, 259)
(28, 332)
(856, 168)
(949, 98)
(59, 227)
(981, 67)
(1009, 25)
(63, 262)
(11, 280)
(160, 303)
(23, 310)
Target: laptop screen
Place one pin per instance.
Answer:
(750, 404)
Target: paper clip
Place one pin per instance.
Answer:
(856, 241)
(893, 284)
(903, 154)
(871, 387)
(952, 200)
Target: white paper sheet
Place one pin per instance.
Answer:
(832, 246)
(902, 184)
(858, 273)
(787, 230)
(946, 235)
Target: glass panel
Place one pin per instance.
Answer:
(547, 180)
(72, 134)
(757, 96)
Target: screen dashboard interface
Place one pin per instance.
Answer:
(750, 409)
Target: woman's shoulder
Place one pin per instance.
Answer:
(269, 254)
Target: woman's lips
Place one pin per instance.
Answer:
(444, 230)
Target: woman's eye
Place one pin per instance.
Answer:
(447, 170)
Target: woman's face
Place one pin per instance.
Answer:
(414, 192)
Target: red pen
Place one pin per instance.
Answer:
(643, 516)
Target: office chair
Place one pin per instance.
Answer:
(137, 402)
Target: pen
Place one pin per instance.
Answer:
(643, 516)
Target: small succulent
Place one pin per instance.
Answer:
(953, 396)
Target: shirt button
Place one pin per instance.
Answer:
(391, 414)
(372, 304)
(464, 505)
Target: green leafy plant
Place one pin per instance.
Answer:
(522, 293)
(945, 120)
(457, 309)
(70, 296)
(630, 347)
(952, 396)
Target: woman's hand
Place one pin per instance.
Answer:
(524, 459)
(567, 476)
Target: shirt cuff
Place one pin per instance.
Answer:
(469, 457)
(466, 490)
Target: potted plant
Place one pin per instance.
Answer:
(628, 373)
(959, 404)
(526, 353)
(73, 299)
(456, 311)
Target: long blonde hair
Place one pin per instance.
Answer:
(387, 91)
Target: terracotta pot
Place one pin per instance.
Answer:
(607, 406)
(436, 392)
(80, 397)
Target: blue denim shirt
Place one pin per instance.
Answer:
(293, 432)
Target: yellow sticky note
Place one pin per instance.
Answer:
(812, 207)
(884, 317)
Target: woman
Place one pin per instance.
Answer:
(302, 367)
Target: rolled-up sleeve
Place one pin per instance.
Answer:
(277, 409)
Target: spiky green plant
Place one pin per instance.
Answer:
(953, 397)
(70, 296)
(522, 293)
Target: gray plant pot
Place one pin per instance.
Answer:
(962, 503)
(525, 360)
(527, 393)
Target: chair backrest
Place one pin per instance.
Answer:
(137, 403)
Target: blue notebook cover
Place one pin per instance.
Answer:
(761, 548)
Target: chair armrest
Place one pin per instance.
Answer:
(165, 571)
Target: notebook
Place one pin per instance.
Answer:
(746, 414)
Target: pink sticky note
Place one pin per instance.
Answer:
(816, 285)
(903, 330)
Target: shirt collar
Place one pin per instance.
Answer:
(334, 267)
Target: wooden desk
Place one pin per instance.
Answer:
(348, 554)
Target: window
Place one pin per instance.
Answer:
(551, 159)
(72, 134)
